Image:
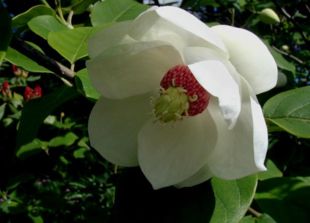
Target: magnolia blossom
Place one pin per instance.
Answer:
(179, 98)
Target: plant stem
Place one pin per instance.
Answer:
(34, 54)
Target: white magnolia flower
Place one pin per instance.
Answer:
(179, 97)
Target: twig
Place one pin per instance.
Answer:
(41, 59)
(288, 55)
(254, 212)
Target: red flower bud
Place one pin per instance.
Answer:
(30, 93)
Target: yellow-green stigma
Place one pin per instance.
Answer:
(171, 105)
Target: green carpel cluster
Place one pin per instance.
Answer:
(171, 105)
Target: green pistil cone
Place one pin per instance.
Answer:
(171, 104)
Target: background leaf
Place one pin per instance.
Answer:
(23, 18)
(35, 111)
(5, 30)
(15, 57)
(290, 110)
(110, 11)
(286, 199)
(71, 44)
(232, 198)
(84, 85)
(272, 171)
(44, 24)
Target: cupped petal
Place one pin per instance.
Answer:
(240, 151)
(114, 125)
(107, 37)
(217, 80)
(250, 57)
(172, 152)
(177, 26)
(201, 176)
(197, 54)
(131, 69)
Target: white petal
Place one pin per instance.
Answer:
(172, 152)
(130, 69)
(250, 56)
(240, 151)
(114, 125)
(201, 176)
(176, 26)
(107, 37)
(197, 54)
(216, 79)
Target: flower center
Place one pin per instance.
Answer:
(180, 95)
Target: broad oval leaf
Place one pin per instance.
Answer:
(44, 24)
(289, 195)
(15, 57)
(290, 110)
(232, 198)
(110, 11)
(280, 60)
(71, 44)
(272, 171)
(66, 140)
(84, 85)
(23, 18)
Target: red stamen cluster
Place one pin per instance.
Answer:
(181, 76)
(30, 93)
(5, 89)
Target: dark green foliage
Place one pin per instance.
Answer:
(50, 173)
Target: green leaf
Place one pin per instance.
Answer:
(280, 60)
(290, 110)
(43, 25)
(272, 171)
(2, 110)
(32, 148)
(15, 57)
(35, 111)
(6, 32)
(264, 218)
(80, 153)
(232, 198)
(110, 11)
(286, 199)
(23, 18)
(66, 140)
(84, 85)
(71, 44)
(81, 6)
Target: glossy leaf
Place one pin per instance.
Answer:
(23, 18)
(272, 171)
(66, 140)
(31, 148)
(290, 110)
(6, 32)
(15, 57)
(84, 85)
(110, 11)
(281, 61)
(264, 218)
(43, 25)
(35, 111)
(2, 110)
(285, 199)
(71, 44)
(81, 6)
(232, 198)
